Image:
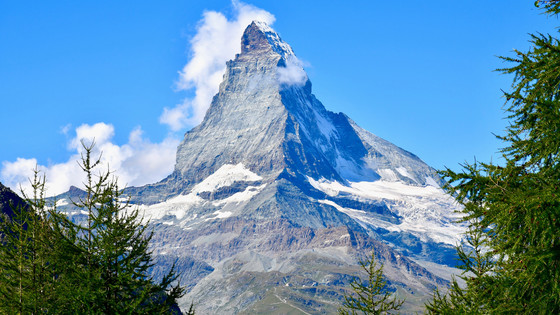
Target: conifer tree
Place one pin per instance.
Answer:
(27, 264)
(371, 296)
(514, 209)
(14, 266)
(114, 251)
(49, 264)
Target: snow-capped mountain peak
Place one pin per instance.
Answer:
(273, 189)
(259, 37)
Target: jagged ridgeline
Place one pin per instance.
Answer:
(274, 199)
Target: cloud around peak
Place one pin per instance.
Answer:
(217, 40)
(293, 73)
(140, 161)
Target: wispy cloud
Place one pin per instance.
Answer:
(217, 40)
(140, 161)
(293, 73)
(135, 163)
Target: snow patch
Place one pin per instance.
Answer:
(177, 206)
(241, 196)
(226, 176)
(432, 182)
(404, 172)
(360, 216)
(223, 215)
(427, 212)
(331, 188)
(388, 174)
(181, 205)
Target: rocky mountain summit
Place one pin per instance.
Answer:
(274, 199)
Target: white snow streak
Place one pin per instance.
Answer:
(241, 196)
(427, 212)
(180, 206)
(226, 176)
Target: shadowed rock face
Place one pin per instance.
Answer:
(8, 201)
(274, 199)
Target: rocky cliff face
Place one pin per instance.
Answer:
(274, 199)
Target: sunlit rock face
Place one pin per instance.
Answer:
(274, 199)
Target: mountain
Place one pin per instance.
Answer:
(274, 199)
(8, 201)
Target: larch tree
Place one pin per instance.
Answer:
(27, 250)
(114, 258)
(50, 264)
(512, 261)
(370, 296)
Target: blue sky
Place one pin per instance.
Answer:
(417, 73)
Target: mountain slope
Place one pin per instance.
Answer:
(274, 199)
(9, 200)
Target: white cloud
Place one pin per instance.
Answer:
(217, 40)
(100, 133)
(140, 161)
(16, 174)
(135, 163)
(65, 129)
(177, 117)
(292, 73)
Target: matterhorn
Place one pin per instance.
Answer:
(274, 199)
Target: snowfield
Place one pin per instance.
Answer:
(180, 206)
(425, 211)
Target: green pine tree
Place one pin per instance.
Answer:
(27, 265)
(478, 266)
(371, 296)
(49, 264)
(115, 258)
(14, 265)
(514, 209)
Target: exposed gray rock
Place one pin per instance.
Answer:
(274, 199)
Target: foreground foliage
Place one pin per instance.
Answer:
(514, 210)
(371, 296)
(49, 264)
